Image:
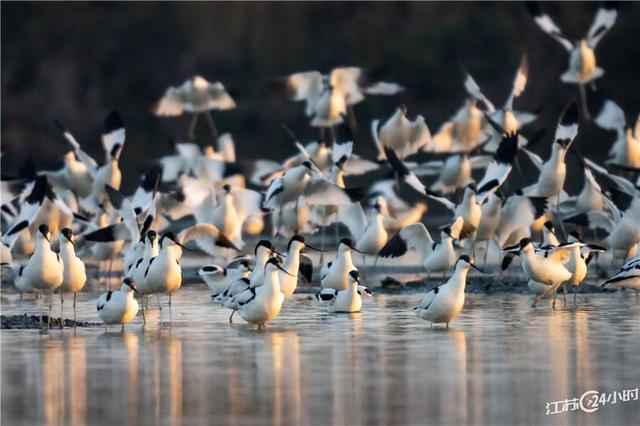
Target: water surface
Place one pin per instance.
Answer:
(498, 363)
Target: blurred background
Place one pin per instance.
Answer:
(77, 61)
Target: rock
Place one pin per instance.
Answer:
(33, 322)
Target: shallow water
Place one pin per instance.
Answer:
(499, 363)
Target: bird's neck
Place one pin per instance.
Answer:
(292, 263)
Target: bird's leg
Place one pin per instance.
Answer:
(332, 132)
(564, 294)
(20, 296)
(353, 123)
(583, 102)
(144, 319)
(61, 309)
(486, 253)
(170, 311)
(50, 308)
(322, 243)
(109, 273)
(212, 126)
(559, 216)
(191, 133)
(231, 316)
(74, 309)
(122, 330)
(447, 324)
(40, 312)
(575, 295)
(444, 275)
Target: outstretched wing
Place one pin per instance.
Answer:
(547, 25)
(207, 237)
(604, 20)
(519, 82)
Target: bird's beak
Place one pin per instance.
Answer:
(356, 250)
(282, 269)
(278, 253)
(477, 269)
(313, 248)
(512, 249)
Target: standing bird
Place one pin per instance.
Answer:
(44, 269)
(582, 59)
(118, 307)
(295, 264)
(444, 302)
(263, 302)
(195, 96)
(348, 300)
(579, 260)
(434, 256)
(219, 278)
(336, 274)
(74, 274)
(547, 266)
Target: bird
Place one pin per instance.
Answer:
(118, 307)
(295, 264)
(404, 136)
(348, 300)
(44, 269)
(579, 259)
(506, 118)
(434, 256)
(444, 302)
(74, 272)
(195, 96)
(329, 97)
(367, 231)
(546, 266)
(335, 274)
(628, 276)
(263, 252)
(113, 138)
(625, 151)
(219, 278)
(262, 303)
(582, 60)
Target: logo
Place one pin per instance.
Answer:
(591, 401)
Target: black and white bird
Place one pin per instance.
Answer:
(74, 271)
(628, 276)
(404, 136)
(444, 302)
(195, 96)
(348, 300)
(118, 307)
(582, 59)
(625, 151)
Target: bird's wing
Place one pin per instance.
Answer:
(384, 88)
(460, 229)
(428, 298)
(326, 294)
(620, 182)
(519, 82)
(85, 158)
(535, 158)
(474, 90)
(414, 236)
(341, 152)
(611, 117)
(562, 253)
(358, 166)
(363, 290)
(498, 170)
(247, 202)
(113, 135)
(322, 191)
(345, 79)
(276, 187)
(227, 147)
(245, 297)
(547, 25)
(567, 127)
(301, 86)
(376, 140)
(353, 216)
(420, 135)
(115, 232)
(207, 237)
(220, 99)
(402, 172)
(604, 20)
(170, 104)
(306, 267)
(429, 168)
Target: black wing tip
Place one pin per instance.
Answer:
(395, 247)
(507, 150)
(570, 115)
(113, 122)
(610, 5)
(581, 219)
(355, 194)
(533, 8)
(540, 205)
